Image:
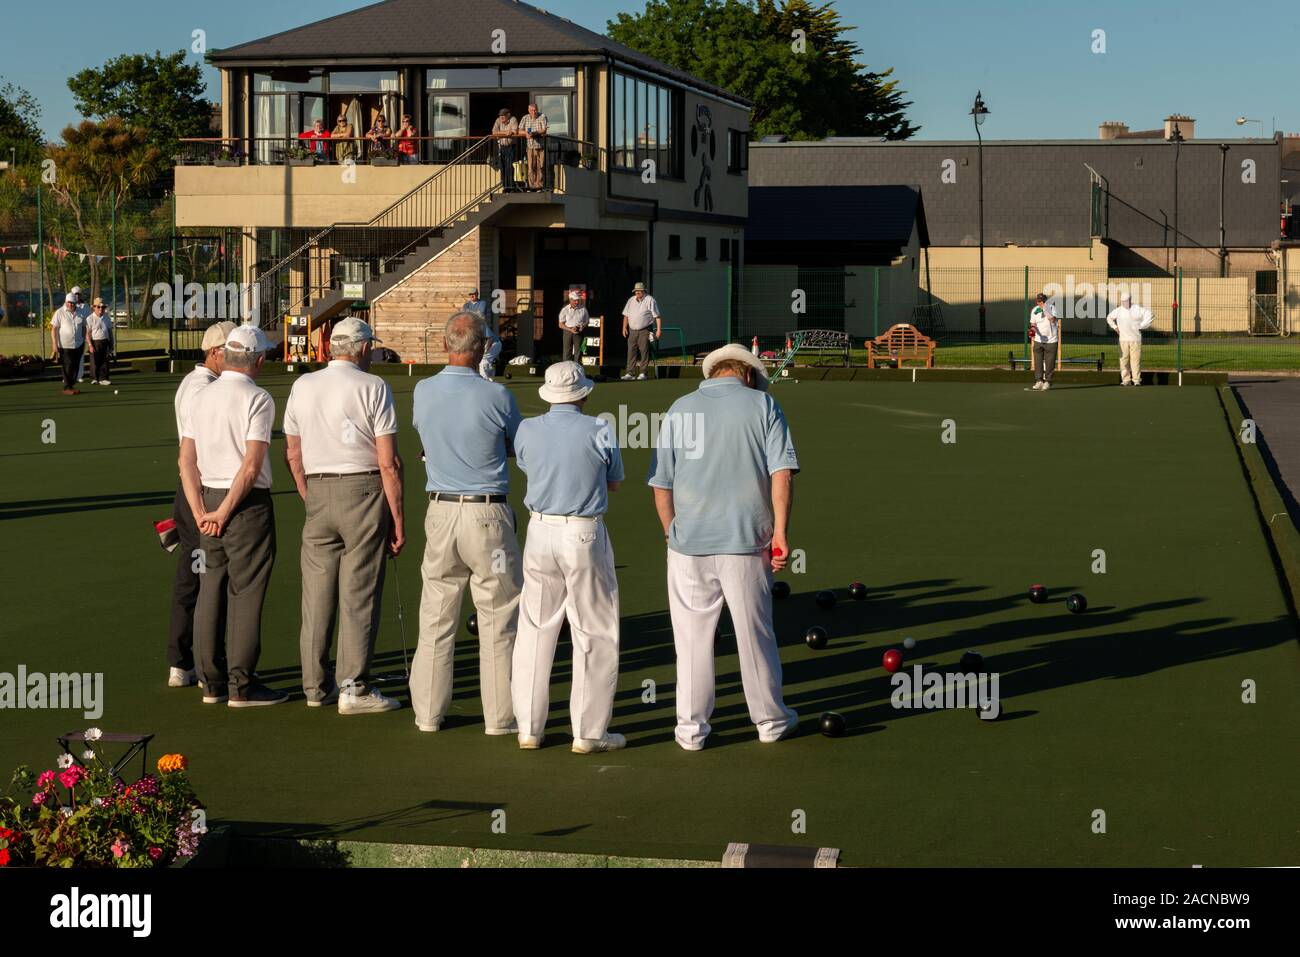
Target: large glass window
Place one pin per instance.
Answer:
(462, 78)
(535, 77)
(646, 120)
(366, 81)
(558, 108)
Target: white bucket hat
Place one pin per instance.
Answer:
(740, 354)
(565, 382)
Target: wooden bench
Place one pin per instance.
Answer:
(899, 344)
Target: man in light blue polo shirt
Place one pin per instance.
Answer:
(723, 477)
(467, 426)
(572, 463)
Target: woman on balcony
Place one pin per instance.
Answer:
(406, 140)
(343, 135)
(380, 136)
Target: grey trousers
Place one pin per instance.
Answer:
(473, 545)
(572, 346)
(236, 568)
(638, 350)
(1044, 361)
(344, 541)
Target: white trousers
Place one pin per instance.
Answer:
(568, 571)
(488, 367)
(697, 588)
(474, 545)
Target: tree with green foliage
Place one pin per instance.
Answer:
(791, 58)
(96, 171)
(163, 94)
(20, 125)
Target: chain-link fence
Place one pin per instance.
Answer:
(1200, 322)
(126, 251)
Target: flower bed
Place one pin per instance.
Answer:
(15, 367)
(81, 816)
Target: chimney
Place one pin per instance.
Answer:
(1111, 129)
(1184, 124)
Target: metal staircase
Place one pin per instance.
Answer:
(380, 253)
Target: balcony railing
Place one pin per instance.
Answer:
(394, 151)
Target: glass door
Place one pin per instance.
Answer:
(449, 122)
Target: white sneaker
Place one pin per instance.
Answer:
(107, 382)
(610, 742)
(531, 742)
(1038, 386)
(1138, 383)
(502, 732)
(628, 377)
(180, 678)
(1046, 386)
(370, 703)
(641, 377)
(430, 728)
(329, 699)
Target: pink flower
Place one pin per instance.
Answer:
(45, 780)
(155, 852)
(120, 847)
(38, 798)
(72, 777)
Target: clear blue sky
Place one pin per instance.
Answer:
(1032, 59)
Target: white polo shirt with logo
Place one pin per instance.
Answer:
(200, 378)
(1046, 325)
(223, 418)
(338, 413)
(69, 327)
(641, 315)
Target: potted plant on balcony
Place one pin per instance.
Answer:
(383, 154)
(300, 156)
(228, 156)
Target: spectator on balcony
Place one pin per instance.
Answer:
(407, 145)
(534, 127)
(380, 136)
(315, 138)
(506, 131)
(343, 136)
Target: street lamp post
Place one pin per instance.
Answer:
(1243, 120)
(979, 111)
(1177, 139)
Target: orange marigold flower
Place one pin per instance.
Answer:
(169, 763)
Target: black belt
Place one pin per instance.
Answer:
(324, 475)
(468, 499)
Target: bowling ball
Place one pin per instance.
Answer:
(780, 590)
(1037, 594)
(893, 660)
(858, 591)
(471, 624)
(1077, 603)
(826, 600)
(972, 661)
(831, 724)
(816, 638)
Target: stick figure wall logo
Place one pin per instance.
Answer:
(704, 144)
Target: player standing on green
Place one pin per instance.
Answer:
(1045, 334)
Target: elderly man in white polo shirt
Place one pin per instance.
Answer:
(572, 463)
(340, 427)
(723, 478)
(68, 341)
(185, 586)
(227, 475)
(574, 320)
(1129, 322)
(99, 325)
(640, 316)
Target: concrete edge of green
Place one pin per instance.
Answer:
(1273, 513)
(227, 848)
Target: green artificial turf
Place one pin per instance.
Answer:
(1134, 708)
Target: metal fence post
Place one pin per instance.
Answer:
(1179, 320)
(1025, 325)
(875, 303)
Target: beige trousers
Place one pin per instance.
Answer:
(568, 573)
(344, 541)
(474, 545)
(1130, 361)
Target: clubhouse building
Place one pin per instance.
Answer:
(645, 174)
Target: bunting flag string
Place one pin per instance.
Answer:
(60, 253)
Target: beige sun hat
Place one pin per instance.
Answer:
(565, 382)
(740, 354)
